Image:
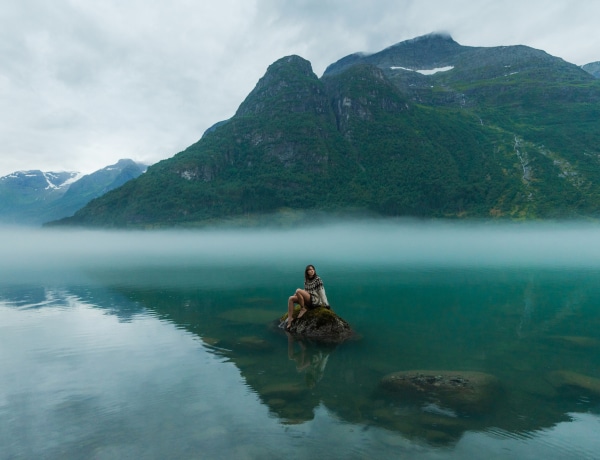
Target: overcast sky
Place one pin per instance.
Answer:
(84, 83)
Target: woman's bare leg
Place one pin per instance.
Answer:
(300, 297)
(303, 297)
(290, 317)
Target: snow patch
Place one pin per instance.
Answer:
(47, 175)
(74, 178)
(432, 71)
(425, 71)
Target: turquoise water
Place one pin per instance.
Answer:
(163, 345)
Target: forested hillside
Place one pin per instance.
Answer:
(425, 128)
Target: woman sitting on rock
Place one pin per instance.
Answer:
(312, 296)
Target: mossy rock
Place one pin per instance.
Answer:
(320, 324)
(465, 391)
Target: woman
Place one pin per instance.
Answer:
(312, 296)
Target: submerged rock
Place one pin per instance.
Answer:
(247, 315)
(462, 390)
(576, 341)
(573, 380)
(254, 343)
(320, 324)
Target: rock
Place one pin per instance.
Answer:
(569, 379)
(466, 391)
(286, 391)
(247, 315)
(276, 402)
(320, 324)
(212, 341)
(254, 343)
(576, 341)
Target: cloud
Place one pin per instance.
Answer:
(332, 29)
(83, 84)
(113, 79)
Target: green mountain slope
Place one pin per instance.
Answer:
(424, 128)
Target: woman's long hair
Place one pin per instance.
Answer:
(306, 278)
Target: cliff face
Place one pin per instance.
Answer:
(426, 127)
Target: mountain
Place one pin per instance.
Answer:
(35, 197)
(96, 184)
(426, 128)
(24, 195)
(592, 68)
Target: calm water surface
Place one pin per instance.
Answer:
(163, 345)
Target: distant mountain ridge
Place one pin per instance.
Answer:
(36, 179)
(593, 68)
(34, 197)
(425, 128)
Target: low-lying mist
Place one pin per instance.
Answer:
(374, 243)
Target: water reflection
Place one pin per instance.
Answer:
(537, 336)
(535, 332)
(310, 359)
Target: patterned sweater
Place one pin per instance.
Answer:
(316, 290)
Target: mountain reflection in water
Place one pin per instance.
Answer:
(535, 331)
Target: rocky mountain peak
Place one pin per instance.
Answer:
(428, 40)
(289, 84)
(427, 51)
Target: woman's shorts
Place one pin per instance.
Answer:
(311, 304)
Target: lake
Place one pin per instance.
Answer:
(164, 344)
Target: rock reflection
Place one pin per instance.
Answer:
(286, 379)
(309, 361)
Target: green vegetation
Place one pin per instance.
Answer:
(510, 132)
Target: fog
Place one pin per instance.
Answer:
(375, 243)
